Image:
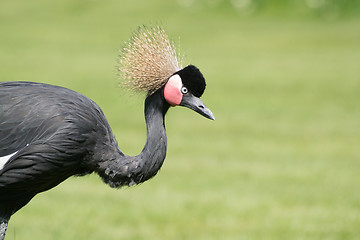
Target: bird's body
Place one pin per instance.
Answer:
(56, 133)
(50, 133)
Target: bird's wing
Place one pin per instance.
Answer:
(34, 169)
(40, 164)
(33, 111)
(24, 115)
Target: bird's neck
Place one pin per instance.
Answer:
(153, 154)
(129, 170)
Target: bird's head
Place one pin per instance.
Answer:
(184, 88)
(149, 62)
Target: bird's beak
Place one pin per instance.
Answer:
(195, 103)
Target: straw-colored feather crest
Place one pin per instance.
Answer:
(148, 59)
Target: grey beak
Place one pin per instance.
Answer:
(195, 103)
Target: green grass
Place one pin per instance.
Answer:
(281, 161)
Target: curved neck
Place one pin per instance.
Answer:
(154, 151)
(128, 170)
(153, 154)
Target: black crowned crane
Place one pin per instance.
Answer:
(49, 133)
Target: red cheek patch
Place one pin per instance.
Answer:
(172, 90)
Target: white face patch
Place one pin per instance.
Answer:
(5, 159)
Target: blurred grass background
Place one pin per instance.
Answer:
(282, 159)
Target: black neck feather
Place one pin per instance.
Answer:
(129, 170)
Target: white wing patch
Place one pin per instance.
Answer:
(4, 159)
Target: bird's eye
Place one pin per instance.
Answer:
(184, 90)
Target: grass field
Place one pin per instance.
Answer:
(281, 161)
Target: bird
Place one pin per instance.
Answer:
(49, 133)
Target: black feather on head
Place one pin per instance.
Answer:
(193, 79)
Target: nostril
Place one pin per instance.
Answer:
(201, 106)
